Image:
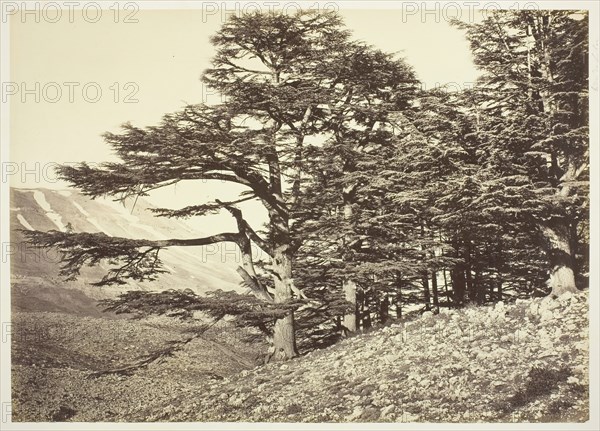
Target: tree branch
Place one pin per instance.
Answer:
(139, 258)
(253, 284)
(199, 210)
(244, 227)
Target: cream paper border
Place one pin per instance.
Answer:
(5, 358)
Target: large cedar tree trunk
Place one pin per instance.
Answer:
(349, 286)
(384, 309)
(398, 298)
(284, 338)
(560, 253)
(457, 276)
(562, 275)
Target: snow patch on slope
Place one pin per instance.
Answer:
(24, 222)
(54, 217)
(185, 258)
(81, 210)
(134, 221)
(89, 218)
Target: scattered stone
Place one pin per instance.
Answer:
(549, 303)
(356, 413)
(547, 354)
(409, 417)
(236, 400)
(565, 297)
(534, 308)
(387, 411)
(446, 382)
(546, 315)
(370, 414)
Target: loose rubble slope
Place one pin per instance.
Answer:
(526, 361)
(517, 362)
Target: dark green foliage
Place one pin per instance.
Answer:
(531, 107)
(138, 259)
(247, 310)
(337, 237)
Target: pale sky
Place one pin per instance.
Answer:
(157, 62)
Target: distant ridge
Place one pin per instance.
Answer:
(36, 284)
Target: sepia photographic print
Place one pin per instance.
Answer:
(303, 215)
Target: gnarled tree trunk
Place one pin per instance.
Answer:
(562, 275)
(284, 338)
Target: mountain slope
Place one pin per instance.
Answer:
(509, 363)
(36, 285)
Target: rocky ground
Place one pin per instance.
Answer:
(519, 362)
(55, 357)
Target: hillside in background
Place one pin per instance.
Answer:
(36, 284)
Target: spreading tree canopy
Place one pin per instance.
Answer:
(374, 190)
(284, 78)
(533, 107)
